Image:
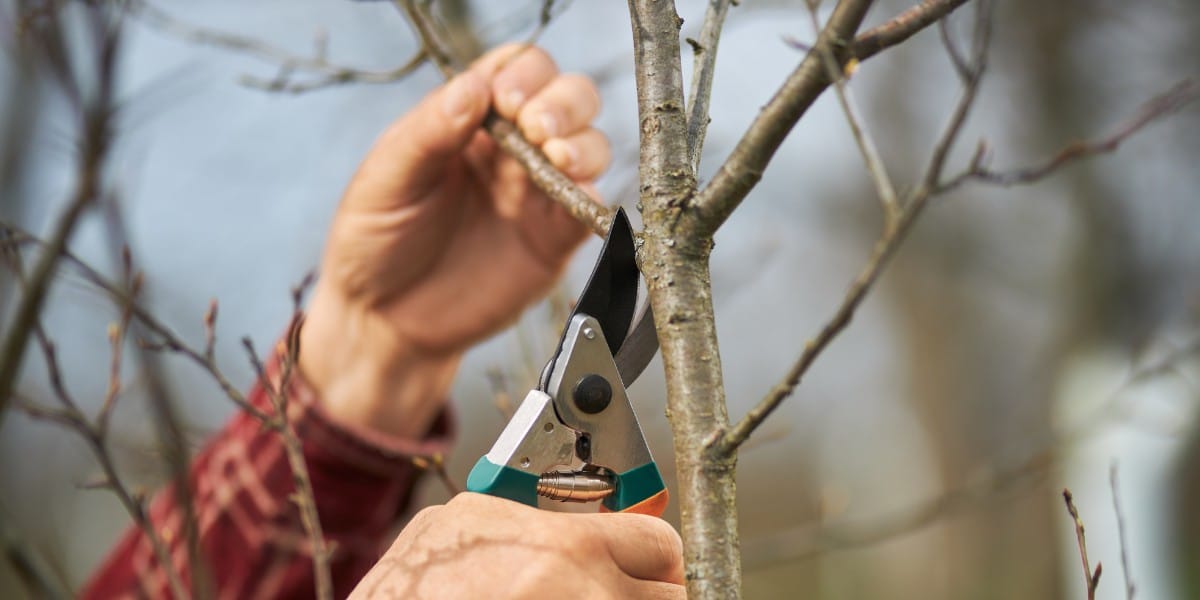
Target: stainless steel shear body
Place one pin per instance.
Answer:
(576, 437)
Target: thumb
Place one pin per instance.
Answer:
(413, 153)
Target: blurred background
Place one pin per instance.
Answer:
(1024, 339)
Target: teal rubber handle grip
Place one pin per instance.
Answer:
(635, 486)
(492, 479)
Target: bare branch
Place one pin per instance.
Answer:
(881, 253)
(1116, 498)
(830, 536)
(674, 256)
(95, 433)
(327, 73)
(894, 233)
(1091, 578)
(1171, 101)
(745, 165)
(168, 339)
(866, 145)
(956, 57)
(94, 147)
(704, 57)
(545, 15)
(971, 74)
(544, 175)
(304, 498)
(902, 26)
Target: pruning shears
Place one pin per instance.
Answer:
(575, 437)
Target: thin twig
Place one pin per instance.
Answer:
(866, 144)
(704, 64)
(304, 498)
(133, 502)
(970, 76)
(94, 147)
(95, 432)
(817, 539)
(902, 26)
(328, 73)
(1169, 102)
(544, 175)
(744, 167)
(545, 15)
(1130, 589)
(1091, 578)
(894, 233)
(167, 340)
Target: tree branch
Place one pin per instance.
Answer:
(544, 175)
(830, 536)
(168, 339)
(1091, 578)
(674, 258)
(327, 73)
(901, 27)
(95, 433)
(894, 233)
(704, 56)
(1130, 589)
(94, 147)
(866, 145)
(1167, 103)
(304, 498)
(745, 165)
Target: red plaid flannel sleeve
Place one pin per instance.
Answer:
(251, 537)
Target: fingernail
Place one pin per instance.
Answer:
(562, 154)
(460, 96)
(549, 124)
(513, 100)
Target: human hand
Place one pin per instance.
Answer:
(442, 240)
(479, 546)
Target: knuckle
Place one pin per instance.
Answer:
(665, 540)
(581, 86)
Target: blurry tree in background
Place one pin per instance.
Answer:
(1018, 338)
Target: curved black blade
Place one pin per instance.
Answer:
(610, 295)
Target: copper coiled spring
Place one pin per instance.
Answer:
(575, 486)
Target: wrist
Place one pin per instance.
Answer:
(366, 375)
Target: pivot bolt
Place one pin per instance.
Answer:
(592, 394)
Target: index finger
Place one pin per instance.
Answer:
(643, 547)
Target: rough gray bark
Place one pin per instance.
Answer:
(674, 256)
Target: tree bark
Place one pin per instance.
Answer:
(674, 255)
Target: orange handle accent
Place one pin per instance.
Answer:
(654, 506)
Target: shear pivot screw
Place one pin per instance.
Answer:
(589, 333)
(592, 394)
